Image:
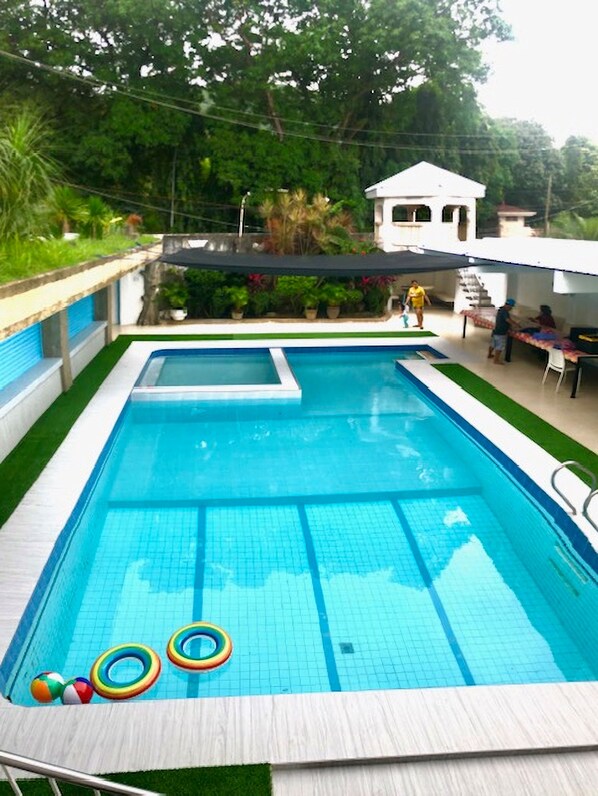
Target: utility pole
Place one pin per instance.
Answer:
(173, 188)
(547, 207)
(242, 213)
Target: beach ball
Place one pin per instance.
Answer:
(47, 686)
(77, 691)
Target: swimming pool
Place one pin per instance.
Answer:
(340, 545)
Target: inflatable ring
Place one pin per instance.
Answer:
(176, 647)
(106, 687)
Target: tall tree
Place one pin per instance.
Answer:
(270, 94)
(579, 191)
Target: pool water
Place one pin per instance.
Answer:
(185, 368)
(358, 540)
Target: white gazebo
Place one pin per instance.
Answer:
(424, 205)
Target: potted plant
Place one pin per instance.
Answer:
(239, 298)
(334, 295)
(175, 295)
(311, 300)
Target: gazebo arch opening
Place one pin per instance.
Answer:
(401, 214)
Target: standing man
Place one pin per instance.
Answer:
(501, 329)
(416, 297)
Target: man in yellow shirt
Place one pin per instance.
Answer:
(416, 297)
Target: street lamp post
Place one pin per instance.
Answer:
(242, 213)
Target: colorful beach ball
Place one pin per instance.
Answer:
(47, 686)
(77, 691)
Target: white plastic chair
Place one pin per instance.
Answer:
(557, 362)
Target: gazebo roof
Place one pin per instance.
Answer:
(424, 179)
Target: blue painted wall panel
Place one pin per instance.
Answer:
(19, 353)
(80, 315)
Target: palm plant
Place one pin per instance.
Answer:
(26, 173)
(570, 225)
(298, 226)
(98, 217)
(65, 208)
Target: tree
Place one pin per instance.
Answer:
(580, 179)
(526, 166)
(319, 95)
(335, 63)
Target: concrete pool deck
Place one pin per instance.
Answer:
(318, 743)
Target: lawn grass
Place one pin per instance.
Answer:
(214, 781)
(542, 433)
(24, 259)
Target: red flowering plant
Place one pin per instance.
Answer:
(376, 290)
(256, 282)
(260, 298)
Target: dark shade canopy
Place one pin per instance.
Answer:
(379, 264)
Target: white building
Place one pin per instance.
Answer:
(424, 205)
(511, 222)
(434, 210)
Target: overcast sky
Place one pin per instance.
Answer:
(548, 73)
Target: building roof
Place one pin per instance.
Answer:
(424, 179)
(510, 210)
(556, 254)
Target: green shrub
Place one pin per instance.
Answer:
(220, 303)
(175, 294)
(203, 286)
(238, 297)
(260, 302)
(334, 294)
(375, 299)
(290, 291)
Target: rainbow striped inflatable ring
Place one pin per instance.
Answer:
(176, 647)
(106, 687)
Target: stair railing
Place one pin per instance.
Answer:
(53, 773)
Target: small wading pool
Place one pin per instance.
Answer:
(360, 538)
(189, 368)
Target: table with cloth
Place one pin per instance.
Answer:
(486, 316)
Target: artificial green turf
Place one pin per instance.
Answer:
(217, 781)
(553, 441)
(23, 465)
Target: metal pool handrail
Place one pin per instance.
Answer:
(586, 505)
(567, 501)
(53, 773)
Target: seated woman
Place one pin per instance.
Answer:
(544, 319)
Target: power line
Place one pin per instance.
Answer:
(165, 210)
(157, 100)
